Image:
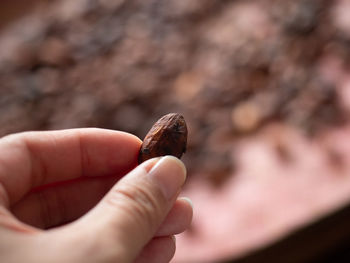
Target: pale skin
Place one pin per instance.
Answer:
(76, 196)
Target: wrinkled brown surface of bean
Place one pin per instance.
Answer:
(168, 136)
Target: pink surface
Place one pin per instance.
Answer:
(283, 181)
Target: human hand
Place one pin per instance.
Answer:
(55, 179)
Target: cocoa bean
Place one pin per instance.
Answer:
(168, 136)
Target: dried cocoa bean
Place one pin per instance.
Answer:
(168, 136)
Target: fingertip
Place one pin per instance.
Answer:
(111, 136)
(117, 151)
(131, 138)
(187, 200)
(169, 173)
(174, 161)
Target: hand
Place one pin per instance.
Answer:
(55, 179)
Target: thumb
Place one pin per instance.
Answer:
(129, 215)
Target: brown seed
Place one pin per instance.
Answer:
(168, 136)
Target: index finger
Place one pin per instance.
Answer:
(32, 159)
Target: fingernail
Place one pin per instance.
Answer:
(149, 164)
(188, 200)
(170, 174)
(173, 238)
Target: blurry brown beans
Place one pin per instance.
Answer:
(168, 136)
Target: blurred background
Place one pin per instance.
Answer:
(264, 86)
